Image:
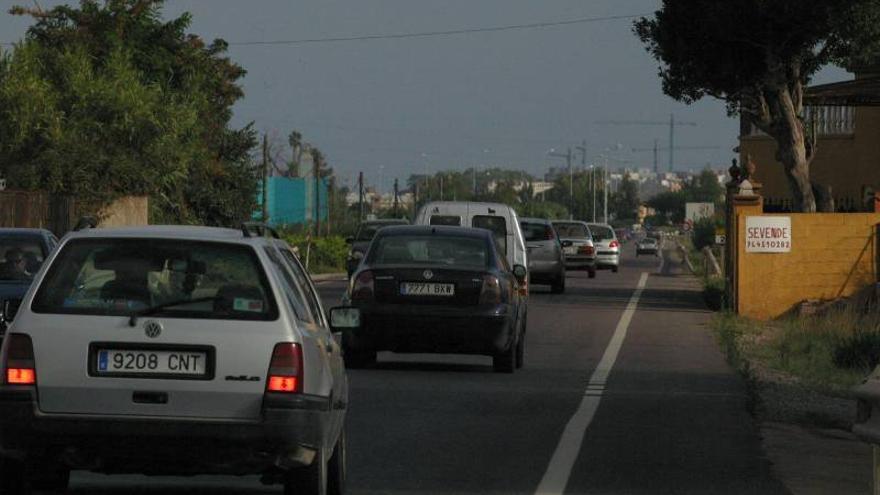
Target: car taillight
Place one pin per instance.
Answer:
(586, 250)
(491, 291)
(549, 235)
(21, 368)
(614, 244)
(362, 287)
(286, 369)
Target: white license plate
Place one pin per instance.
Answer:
(427, 289)
(141, 362)
(571, 250)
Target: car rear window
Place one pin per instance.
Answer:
(536, 232)
(495, 224)
(448, 220)
(601, 233)
(21, 257)
(572, 230)
(430, 250)
(119, 277)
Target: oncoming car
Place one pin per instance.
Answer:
(172, 350)
(426, 289)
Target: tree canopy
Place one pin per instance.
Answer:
(758, 56)
(106, 100)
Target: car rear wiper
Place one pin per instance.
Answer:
(132, 321)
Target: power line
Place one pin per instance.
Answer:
(436, 34)
(433, 34)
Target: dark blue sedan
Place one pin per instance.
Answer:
(432, 289)
(22, 252)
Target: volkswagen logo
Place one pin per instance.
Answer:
(428, 274)
(152, 329)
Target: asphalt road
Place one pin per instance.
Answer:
(623, 392)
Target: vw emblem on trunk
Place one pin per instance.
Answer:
(152, 329)
(428, 274)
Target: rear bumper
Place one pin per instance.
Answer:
(576, 262)
(288, 434)
(545, 271)
(611, 259)
(400, 328)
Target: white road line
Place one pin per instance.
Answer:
(559, 470)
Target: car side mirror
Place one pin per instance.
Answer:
(520, 272)
(567, 244)
(344, 318)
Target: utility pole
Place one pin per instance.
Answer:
(568, 158)
(672, 123)
(583, 149)
(441, 187)
(265, 199)
(361, 196)
(605, 190)
(656, 149)
(475, 182)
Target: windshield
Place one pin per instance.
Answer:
(430, 250)
(572, 230)
(367, 231)
(22, 257)
(122, 276)
(536, 232)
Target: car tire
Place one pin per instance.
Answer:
(337, 467)
(592, 272)
(521, 347)
(359, 359)
(13, 478)
(506, 361)
(558, 287)
(615, 269)
(308, 480)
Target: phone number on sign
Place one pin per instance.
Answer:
(768, 244)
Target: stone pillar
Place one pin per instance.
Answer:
(743, 198)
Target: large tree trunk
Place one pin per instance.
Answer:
(777, 111)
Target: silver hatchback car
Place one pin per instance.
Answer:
(546, 259)
(172, 350)
(607, 246)
(577, 243)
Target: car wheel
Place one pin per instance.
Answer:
(50, 477)
(359, 359)
(592, 272)
(13, 478)
(337, 468)
(615, 269)
(308, 480)
(506, 361)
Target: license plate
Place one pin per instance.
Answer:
(571, 250)
(427, 289)
(141, 362)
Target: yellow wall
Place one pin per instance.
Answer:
(846, 163)
(833, 255)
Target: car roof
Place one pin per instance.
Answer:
(591, 224)
(571, 221)
(22, 232)
(388, 221)
(187, 232)
(442, 230)
(542, 221)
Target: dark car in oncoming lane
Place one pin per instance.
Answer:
(433, 289)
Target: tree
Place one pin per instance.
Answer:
(758, 57)
(670, 206)
(704, 188)
(625, 203)
(107, 100)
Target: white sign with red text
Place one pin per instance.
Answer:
(768, 234)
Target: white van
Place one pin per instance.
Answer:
(500, 219)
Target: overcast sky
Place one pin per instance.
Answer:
(395, 106)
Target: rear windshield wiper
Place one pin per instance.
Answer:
(132, 321)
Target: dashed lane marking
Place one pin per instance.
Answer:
(559, 470)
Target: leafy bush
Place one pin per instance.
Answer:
(858, 352)
(714, 293)
(704, 233)
(327, 254)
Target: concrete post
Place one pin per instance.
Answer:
(743, 197)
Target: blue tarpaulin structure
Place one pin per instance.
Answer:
(292, 201)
